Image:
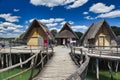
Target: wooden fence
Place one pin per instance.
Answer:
(44, 57)
(80, 74)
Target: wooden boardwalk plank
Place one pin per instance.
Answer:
(59, 67)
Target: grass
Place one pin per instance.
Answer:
(24, 76)
(104, 75)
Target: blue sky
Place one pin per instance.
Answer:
(16, 15)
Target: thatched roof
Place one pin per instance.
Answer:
(94, 28)
(43, 27)
(66, 32)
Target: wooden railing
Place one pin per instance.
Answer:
(81, 72)
(34, 62)
(104, 50)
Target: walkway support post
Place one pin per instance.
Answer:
(116, 67)
(110, 69)
(42, 63)
(97, 69)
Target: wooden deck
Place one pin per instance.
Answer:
(110, 54)
(59, 67)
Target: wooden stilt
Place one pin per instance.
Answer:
(42, 63)
(81, 56)
(110, 69)
(2, 60)
(32, 62)
(6, 60)
(116, 67)
(97, 69)
(21, 61)
(10, 60)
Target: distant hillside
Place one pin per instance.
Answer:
(116, 30)
(6, 39)
(79, 34)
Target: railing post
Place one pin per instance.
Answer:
(117, 49)
(81, 55)
(10, 59)
(71, 49)
(32, 69)
(74, 50)
(42, 63)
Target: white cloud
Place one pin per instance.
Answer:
(8, 35)
(71, 22)
(11, 28)
(51, 20)
(18, 31)
(8, 24)
(62, 23)
(53, 3)
(85, 13)
(16, 10)
(77, 3)
(81, 28)
(55, 29)
(7, 28)
(101, 8)
(51, 24)
(89, 18)
(111, 14)
(9, 17)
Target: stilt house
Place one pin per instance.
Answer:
(65, 34)
(37, 34)
(99, 34)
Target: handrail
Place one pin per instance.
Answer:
(10, 77)
(81, 71)
(18, 64)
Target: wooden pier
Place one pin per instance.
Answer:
(59, 67)
(109, 54)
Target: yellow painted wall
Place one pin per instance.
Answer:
(34, 35)
(103, 41)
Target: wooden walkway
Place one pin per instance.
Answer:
(59, 67)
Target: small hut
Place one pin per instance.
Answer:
(37, 34)
(99, 34)
(66, 34)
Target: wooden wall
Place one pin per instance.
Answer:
(103, 38)
(34, 35)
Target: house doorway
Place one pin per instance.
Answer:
(40, 42)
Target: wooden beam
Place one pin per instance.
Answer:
(110, 69)
(116, 66)
(97, 69)
(20, 61)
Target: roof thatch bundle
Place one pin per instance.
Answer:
(66, 32)
(43, 28)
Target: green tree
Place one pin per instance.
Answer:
(54, 32)
(79, 34)
(116, 30)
